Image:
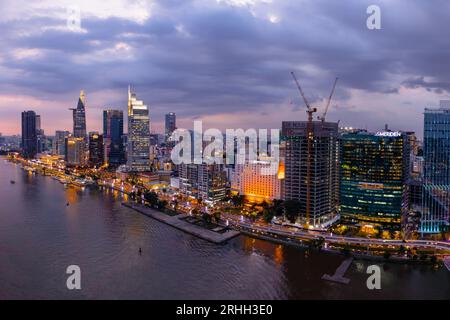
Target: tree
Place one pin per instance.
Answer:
(291, 208)
(152, 198)
(278, 207)
(268, 214)
(238, 200)
(206, 217)
(162, 204)
(217, 216)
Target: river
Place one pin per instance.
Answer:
(40, 236)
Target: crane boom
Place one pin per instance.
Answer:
(329, 101)
(301, 91)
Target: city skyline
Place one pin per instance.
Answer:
(237, 87)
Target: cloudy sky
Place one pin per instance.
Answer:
(226, 62)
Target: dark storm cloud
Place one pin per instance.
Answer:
(216, 58)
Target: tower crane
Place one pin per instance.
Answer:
(322, 118)
(310, 137)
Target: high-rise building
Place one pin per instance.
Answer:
(95, 149)
(75, 152)
(29, 134)
(79, 117)
(114, 151)
(436, 177)
(374, 172)
(206, 181)
(323, 170)
(250, 180)
(59, 143)
(40, 136)
(212, 182)
(170, 126)
(138, 155)
(188, 174)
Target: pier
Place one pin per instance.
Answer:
(340, 272)
(179, 223)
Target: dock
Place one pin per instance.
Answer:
(340, 272)
(179, 223)
(447, 262)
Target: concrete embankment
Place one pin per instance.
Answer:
(179, 223)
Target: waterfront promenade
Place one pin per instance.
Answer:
(178, 222)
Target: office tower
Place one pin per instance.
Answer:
(323, 170)
(40, 136)
(208, 182)
(59, 143)
(79, 117)
(436, 177)
(212, 182)
(138, 155)
(29, 136)
(75, 152)
(374, 171)
(95, 149)
(249, 180)
(114, 151)
(188, 174)
(170, 126)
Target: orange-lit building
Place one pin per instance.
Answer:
(257, 182)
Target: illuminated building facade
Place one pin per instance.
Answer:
(114, 151)
(138, 155)
(212, 182)
(95, 149)
(374, 169)
(59, 143)
(29, 134)
(436, 178)
(249, 180)
(75, 152)
(206, 181)
(170, 125)
(79, 117)
(323, 172)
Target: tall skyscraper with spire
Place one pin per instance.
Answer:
(79, 117)
(138, 150)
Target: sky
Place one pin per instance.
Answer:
(225, 62)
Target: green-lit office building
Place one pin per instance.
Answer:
(374, 168)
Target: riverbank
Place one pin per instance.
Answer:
(372, 249)
(179, 223)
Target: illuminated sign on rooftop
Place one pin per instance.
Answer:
(388, 134)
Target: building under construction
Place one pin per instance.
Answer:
(322, 172)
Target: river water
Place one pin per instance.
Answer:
(40, 236)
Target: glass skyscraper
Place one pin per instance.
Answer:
(138, 155)
(29, 134)
(436, 188)
(113, 137)
(170, 125)
(79, 117)
(374, 169)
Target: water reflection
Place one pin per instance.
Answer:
(39, 240)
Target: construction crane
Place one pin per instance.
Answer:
(322, 118)
(310, 137)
